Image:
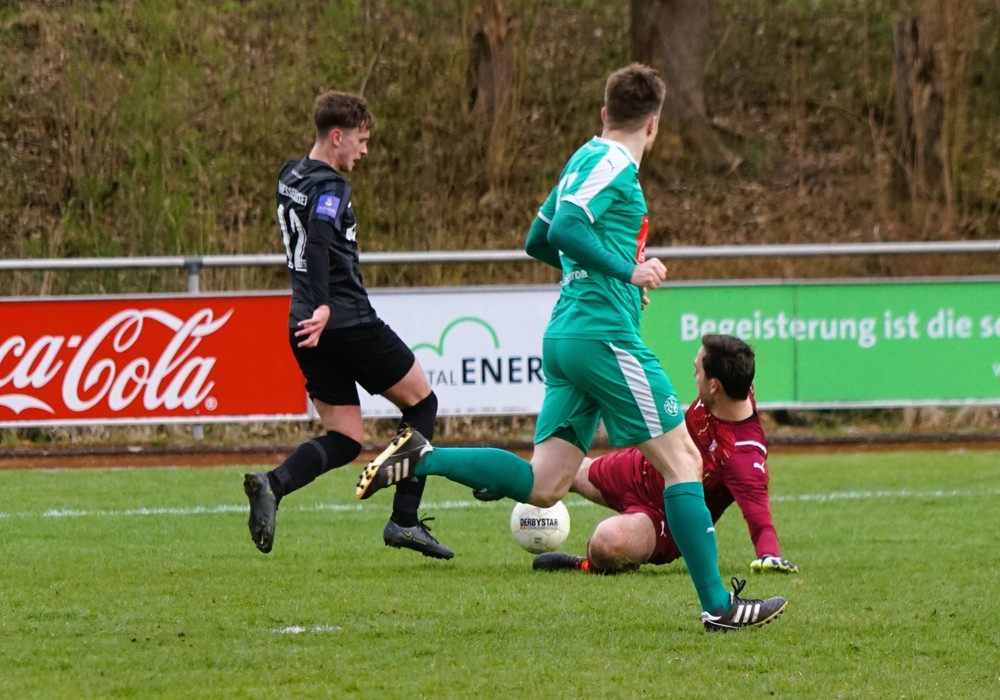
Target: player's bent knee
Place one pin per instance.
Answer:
(600, 553)
(551, 484)
(621, 543)
(607, 551)
(608, 561)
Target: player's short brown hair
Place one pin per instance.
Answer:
(632, 95)
(731, 361)
(341, 110)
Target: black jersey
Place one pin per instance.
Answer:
(319, 231)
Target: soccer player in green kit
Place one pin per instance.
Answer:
(593, 227)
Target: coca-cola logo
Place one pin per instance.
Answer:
(112, 366)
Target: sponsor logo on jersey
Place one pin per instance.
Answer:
(640, 256)
(328, 205)
(574, 275)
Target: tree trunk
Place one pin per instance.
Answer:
(492, 91)
(919, 111)
(491, 62)
(674, 37)
(930, 65)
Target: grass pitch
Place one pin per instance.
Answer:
(144, 583)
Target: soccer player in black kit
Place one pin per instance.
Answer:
(337, 338)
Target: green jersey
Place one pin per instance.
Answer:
(602, 179)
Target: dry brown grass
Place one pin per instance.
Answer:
(158, 129)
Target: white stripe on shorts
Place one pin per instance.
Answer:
(635, 377)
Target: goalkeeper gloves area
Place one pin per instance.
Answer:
(763, 564)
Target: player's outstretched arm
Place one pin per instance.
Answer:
(747, 481)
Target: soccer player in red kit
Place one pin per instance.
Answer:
(726, 427)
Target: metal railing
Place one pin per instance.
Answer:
(195, 263)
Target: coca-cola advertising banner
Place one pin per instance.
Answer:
(81, 360)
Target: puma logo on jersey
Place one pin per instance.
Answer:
(759, 465)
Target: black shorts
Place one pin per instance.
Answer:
(371, 355)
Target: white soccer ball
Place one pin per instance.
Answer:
(539, 529)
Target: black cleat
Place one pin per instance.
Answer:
(396, 462)
(417, 538)
(486, 496)
(263, 507)
(744, 612)
(557, 561)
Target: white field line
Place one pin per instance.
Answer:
(885, 494)
(316, 629)
(882, 494)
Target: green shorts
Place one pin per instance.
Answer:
(619, 381)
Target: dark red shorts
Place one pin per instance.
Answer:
(630, 484)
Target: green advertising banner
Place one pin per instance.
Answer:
(882, 343)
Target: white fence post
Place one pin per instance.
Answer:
(194, 287)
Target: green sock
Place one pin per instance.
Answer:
(483, 469)
(691, 525)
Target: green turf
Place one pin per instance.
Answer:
(144, 583)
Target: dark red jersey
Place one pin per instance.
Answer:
(734, 462)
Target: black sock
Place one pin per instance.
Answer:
(310, 459)
(405, 503)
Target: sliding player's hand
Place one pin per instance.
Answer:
(764, 564)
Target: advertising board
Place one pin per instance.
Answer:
(213, 358)
(827, 345)
(86, 360)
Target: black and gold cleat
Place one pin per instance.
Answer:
(395, 463)
(418, 538)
